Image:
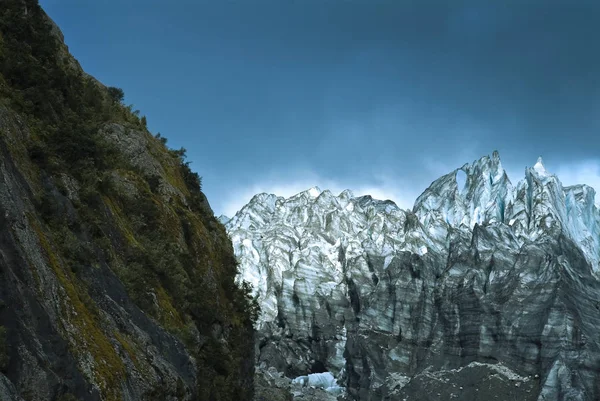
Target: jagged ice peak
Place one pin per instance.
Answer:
(537, 206)
(364, 277)
(539, 167)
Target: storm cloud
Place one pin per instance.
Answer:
(379, 95)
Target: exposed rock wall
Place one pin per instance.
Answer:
(78, 331)
(116, 279)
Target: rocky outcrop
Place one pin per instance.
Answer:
(488, 287)
(272, 385)
(116, 279)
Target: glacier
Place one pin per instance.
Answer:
(479, 274)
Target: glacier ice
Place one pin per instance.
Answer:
(341, 278)
(324, 380)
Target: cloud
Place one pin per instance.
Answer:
(398, 189)
(570, 173)
(584, 172)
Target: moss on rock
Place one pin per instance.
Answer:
(144, 272)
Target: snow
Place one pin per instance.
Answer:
(223, 219)
(397, 381)
(386, 262)
(324, 380)
(346, 194)
(477, 219)
(540, 169)
(314, 192)
(502, 370)
(499, 173)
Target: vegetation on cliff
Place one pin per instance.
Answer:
(107, 195)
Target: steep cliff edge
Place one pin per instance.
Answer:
(116, 280)
(484, 291)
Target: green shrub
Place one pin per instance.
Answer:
(162, 139)
(192, 180)
(116, 94)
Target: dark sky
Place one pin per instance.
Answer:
(376, 96)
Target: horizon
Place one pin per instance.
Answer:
(293, 191)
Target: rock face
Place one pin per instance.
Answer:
(488, 287)
(116, 280)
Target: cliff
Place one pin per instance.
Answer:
(116, 280)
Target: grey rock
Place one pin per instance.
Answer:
(71, 187)
(136, 146)
(476, 382)
(46, 355)
(272, 385)
(123, 185)
(7, 390)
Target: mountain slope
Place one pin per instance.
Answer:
(116, 279)
(488, 290)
